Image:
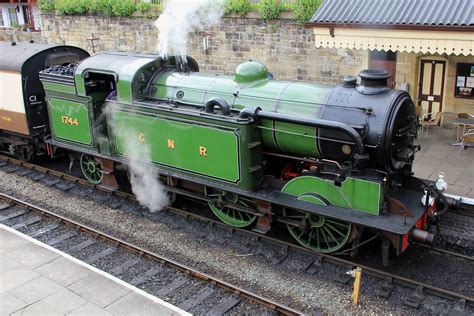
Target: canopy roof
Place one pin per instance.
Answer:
(397, 12)
(419, 26)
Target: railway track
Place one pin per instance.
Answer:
(388, 280)
(446, 252)
(74, 238)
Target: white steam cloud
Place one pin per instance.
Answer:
(144, 176)
(182, 17)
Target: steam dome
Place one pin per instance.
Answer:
(250, 71)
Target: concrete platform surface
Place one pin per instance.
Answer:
(437, 155)
(36, 279)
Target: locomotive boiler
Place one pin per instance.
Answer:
(327, 162)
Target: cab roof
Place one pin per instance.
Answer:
(15, 55)
(122, 65)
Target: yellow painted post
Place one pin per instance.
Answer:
(357, 275)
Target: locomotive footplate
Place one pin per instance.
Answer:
(388, 222)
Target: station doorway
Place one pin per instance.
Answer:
(431, 85)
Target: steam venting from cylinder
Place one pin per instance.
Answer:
(143, 174)
(182, 17)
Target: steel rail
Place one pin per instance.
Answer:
(445, 251)
(286, 310)
(448, 294)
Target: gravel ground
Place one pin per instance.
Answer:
(250, 270)
(53, 234)
(36, 227)
(20, 219)
(71, 242)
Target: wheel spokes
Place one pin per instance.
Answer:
(229, 215)
(91, 169)
(326, 235)
(331, 235)
(335, 229)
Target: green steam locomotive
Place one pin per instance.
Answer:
(327, 162)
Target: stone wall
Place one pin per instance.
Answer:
(285, 47)
(21, 36)
(406, 72)
(114, 34)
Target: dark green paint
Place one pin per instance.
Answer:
(358, 194)
(250, 71)
(297, 140)
(124, 66)
(222, 145)
(302, 186)
(364, 195)
(59, 87)
(74, 110)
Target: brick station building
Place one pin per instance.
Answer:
(426, 45)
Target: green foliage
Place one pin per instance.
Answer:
(143, 7)
(46, 5)
(270, 9)
(241, 7)
(110, 8)
(289, 6)
(72, 7)
(123, 8)
(101, 6)
(303, 10)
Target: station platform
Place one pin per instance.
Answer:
(36, 279)
(440, 154)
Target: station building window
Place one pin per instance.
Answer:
(13, 16)
(2, 23)
(464, 81)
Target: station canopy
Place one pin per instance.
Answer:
(426, 26)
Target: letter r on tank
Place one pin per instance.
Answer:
(203, 151)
